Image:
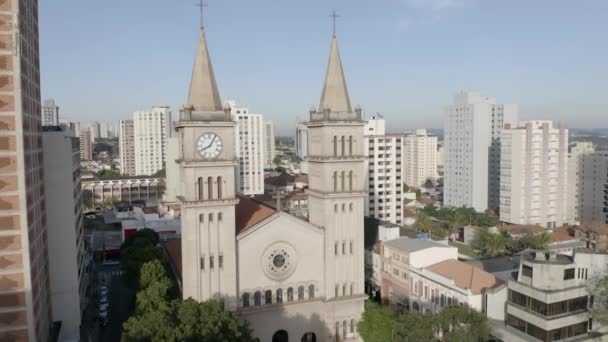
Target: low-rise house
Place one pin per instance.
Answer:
(593, 235)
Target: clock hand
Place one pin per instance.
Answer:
(210, 144)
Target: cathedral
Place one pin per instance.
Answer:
(292, 279)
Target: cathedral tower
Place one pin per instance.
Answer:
(207, 169)
(336, 184)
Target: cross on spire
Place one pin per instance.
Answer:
(202, 5)
(334, 16)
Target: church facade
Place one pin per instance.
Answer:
(292, 279)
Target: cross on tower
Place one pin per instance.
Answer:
(334, 15)
(202, 5)
(277, 195)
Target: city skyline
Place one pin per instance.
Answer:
(408, 59)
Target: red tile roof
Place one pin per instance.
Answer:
(561, 234)
(174, 250)
(466, 276)
(596, 227)
(250, 212)
(518, 229)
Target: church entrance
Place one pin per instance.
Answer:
(280, 336)
(309, 337)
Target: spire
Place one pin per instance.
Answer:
(335, 94)
(203, 95)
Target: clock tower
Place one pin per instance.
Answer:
(206, 160)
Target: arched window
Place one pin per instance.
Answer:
(219, 217)
(257, 298)
(280, 336)
(210, 187)
(335, 208)
(280, 296)
(201, 188)
(309, 337)
(343, 145)
(246, 299)
(201, 218)
(268, 297)
(335, 181)
(352, 326)
(211, 217)
(337, 290)
(344, 293)
(350, 207)
(350, 145)
(219, 187)
(343, 180)
(343, 207)
(311, 292)
(350, 181)
(301, 293)
(344, 330)
(335, 146)
(337, 331)
(290, 294)
(352, 287)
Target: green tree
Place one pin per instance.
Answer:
(489, 243)
(542, 241)
(598, 288)
(461, 323)
(415, 327)
(108, 203)
(133, 257)
(108, 174)
(281, 170)
(423, 223)
(418, 194)
(277, 159)
(162, 173)
(378, 323)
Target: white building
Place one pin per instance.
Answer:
(124, 190)
(269, 150)
(301, 140)
(250, 150)
(50, 113)
(593, 187)
(95, 129)
(172, 179)
(440, 157)
(288, 277)
(104, 130)
(126, 148)
(472, 150)
(534, 174)
(419, 157)
(575, 152)
(74, 126)
(150, 132)
(383, 175)
(67, 256)
(86, 144)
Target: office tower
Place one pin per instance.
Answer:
(50, 113)
(269, 151)
(576, 150)
(250, 150)
(66, 241)
(126, 148)
(301, 140)
(104, 132)
(593, 187)
(86, 145)
(383, 172)
(95, 129)
(150, 132)
(533, 174)
(419, 157)
(472, 150)
(72, 125)
(24, 280)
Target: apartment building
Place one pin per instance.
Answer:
(472, 150)
(150, 133)
(50, 113)
(68, 258)
(575, 151)
(251, 151)
(301, 140)
(95, 129)
(269, 149)
(126, 148)
(383, 172)
(123, 190)
(25, 308)
(593, 187)
(86, 144)
(534, 174)
(419, 157)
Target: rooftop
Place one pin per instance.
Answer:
(174, 250)
(407, 244)
(250, 212)
(596, 227)
(519, 229)
(466, 276)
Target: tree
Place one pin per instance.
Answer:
(489, 243)
(423, 223)
(415, 327)
(139, 251)
(277, 159)
(598, 289)
(108, 203)
(108, 174)
(87, 199)
(461, 323)
(378, 323)
(418, 194)
(542, 241)
(162, 173)
(281, 170)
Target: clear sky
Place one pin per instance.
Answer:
(102, 60)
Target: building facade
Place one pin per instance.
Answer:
(150, 133)
(50, 113)
(123, 190)
(269, 149)
(472, 150)
(534, 174)
(301, 140)
(383, 172)
(576, 150)
(86, 144)
(419, 158)
(25, 308)
(68, 258)
(250, 150)
(126, 148)
(593, 187)
(95, 129)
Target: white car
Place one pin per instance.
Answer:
(91, 216)
(103, 292)
(103, 314)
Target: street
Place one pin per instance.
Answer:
(121, 299)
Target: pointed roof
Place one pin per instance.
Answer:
(203, 95)
(335, 93)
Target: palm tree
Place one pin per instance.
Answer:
(423, 223)
(542, 241)
(494, 244)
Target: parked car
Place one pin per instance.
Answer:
(103, 314)
(91, 216)
(103, 291)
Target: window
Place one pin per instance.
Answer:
(526, 271)
(245, 299)
(210, 187)
(343, 247)
(290, 294)
(350, 181)
(350, 145)
(352, 326)
(211, 262)
(336, 181)
(220, 261)
(268, 297)
(344, 290)
(301, 293)
(569, 274)
(202, 263)
(219, 217)
(352, 288)
(200, 188)
(343, 147)
(311, 292)
(336, 248)
(210, 217)
(335, 146)
(219, 187)
(343, 180)
(280, 296)
(201, 218)
(335, 208)
(351, 247)
(257, 298)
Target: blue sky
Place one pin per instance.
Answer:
(402, 58)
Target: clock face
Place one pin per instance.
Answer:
(209, 145)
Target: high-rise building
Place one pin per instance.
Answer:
(104, 130)
(593, 187)
(150, 132)
(24, 281)
(50, 113)
(383, 172)
(301, 140)
(534, 174)
(419, 157)
(68, 258)
(269, 151)
(472, 150)
(95, 129)
(126, 148)
(86, 145)
(250, 149)
(72, 125)
(575, 151)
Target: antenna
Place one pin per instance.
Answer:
(202, 5)
(334, 15)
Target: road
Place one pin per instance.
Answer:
(121, 299)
